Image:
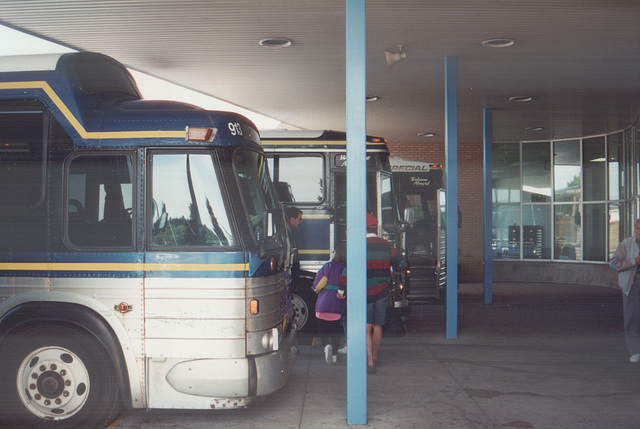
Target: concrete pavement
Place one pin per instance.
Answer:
(541, 356)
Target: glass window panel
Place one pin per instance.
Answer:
(23, 152)
(614, 158)
(506, 173)
(616, 227)
(100, 200)
(566, 170)
(188, 206)
(594, 226)
(506, 232)
(594, 169)
(536, 231)
(387, 202)
(536, 172)
(628, 163)
(567, 228)
(305, 176)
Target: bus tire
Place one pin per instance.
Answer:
(300, 311)
(56, 376)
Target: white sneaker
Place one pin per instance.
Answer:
(334, 358)
(328, 354)
(343, 351)
(635, 358)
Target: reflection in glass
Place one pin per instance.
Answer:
(536, 232)
(536, 172)
(506, 173)
(616, 227)
(387, 204)
(568, 231)
(506, 232)
(188, 207)
(593, 169)
(614, 156)
(566, 170)
(257, 193)
(594, 221)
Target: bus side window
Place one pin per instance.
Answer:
(304, 176)
(22, 152)
(100, 201)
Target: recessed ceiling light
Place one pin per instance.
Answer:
(426, 134)
(498, 43)
(533, 129)
(276, 42)
(520, 99)
(373, 98)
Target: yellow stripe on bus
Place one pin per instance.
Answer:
(316, 216)
(314, 251)
(78, 126)
(76, 266)
(268, 142)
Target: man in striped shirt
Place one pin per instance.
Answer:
(381, 257)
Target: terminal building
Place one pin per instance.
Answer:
(560, 207)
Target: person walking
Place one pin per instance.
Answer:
(330, 308)
(625, 261)
(381, 257)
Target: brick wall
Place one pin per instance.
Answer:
(470, 198)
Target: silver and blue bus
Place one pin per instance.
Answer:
(309, 171)
(144, 261)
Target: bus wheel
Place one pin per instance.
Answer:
(300, 311)
(56, 377)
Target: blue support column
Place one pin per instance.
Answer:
(356, 212)
(451, 189)
(488, 203)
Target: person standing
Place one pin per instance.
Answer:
(330, 308)
(625, 261)
(381, 257)
(293, 217)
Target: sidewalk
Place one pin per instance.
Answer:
(538, 357)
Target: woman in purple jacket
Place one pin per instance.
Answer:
(330, 307)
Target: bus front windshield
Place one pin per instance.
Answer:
(258, 195)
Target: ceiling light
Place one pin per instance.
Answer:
(426, 134)
(533, 129)
(373, 98)
(520, 99)
(498, 43)
(276, 42)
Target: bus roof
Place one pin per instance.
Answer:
(317, 139)
(97, 101)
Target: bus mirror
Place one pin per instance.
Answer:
(162, 222)
(409, 215)
(269, 228)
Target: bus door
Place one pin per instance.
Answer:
(419, 195)
(380, 202)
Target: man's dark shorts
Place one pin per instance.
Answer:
(377, 312)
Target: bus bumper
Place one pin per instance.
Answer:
(273, 369)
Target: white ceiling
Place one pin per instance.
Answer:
(578, 59)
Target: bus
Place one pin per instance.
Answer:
(419, 186)
(309, 171)
(143, 253)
